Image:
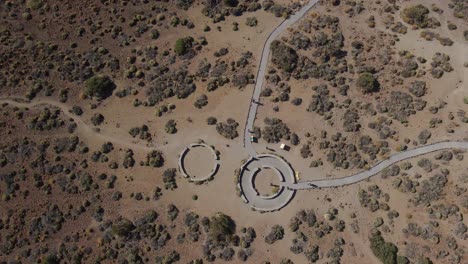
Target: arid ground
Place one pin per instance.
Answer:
(98, 98)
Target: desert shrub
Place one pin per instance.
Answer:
(46, 120)
(312, 254)
(99, 86)
(155, 159)
(296, 101)
(276, 233)
(240, 80)
(294, 139)
(169, 179)
(221, 227)
(231, 3)
(142, 132)
(177, 82)
(367, 83)
(171, 257)
(351, 121)
(211, 120)
(183, 45)
(201, 101)
(34, 4)
(228, 129)
(122, 227)
(431, 190)
(221, 52)
(97, 119)
(184, 4)
(251, 22)
(423, 136)
(418, 88)
(77, 110)
(283, 56)
(50, 259)
(171, 126)
(305, 151)
(275, 130)
(416, 15)
(266, 92)
(128, 159)
(172, 212)
(321, 103)
(386, 252)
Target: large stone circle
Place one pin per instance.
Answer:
(250, 194)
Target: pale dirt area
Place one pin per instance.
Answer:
(264, 181)
(199, 162)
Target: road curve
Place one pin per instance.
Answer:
(262, 70)
(25, 103)
(327, 183)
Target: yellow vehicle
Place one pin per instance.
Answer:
(297, 176)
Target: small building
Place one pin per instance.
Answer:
(284, 147)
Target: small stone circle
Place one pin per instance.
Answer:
(183, 170)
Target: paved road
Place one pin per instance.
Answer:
(262, 70)
(25, 103)
(380, 166)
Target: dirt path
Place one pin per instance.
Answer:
(85, 128)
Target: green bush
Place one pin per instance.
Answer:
(367, 83)
(34, 4)
(416, 15)
(386, 252)
(99, 86)
(283, 56)
(122, 228)
(221, 227)
(183, 45)
(50, 259)
(231, 3)
(171, 126)
(155, 159)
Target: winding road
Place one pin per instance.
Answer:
(249, 193)
(400, 156)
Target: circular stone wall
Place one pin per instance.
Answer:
(198, 162)
(247, 180)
